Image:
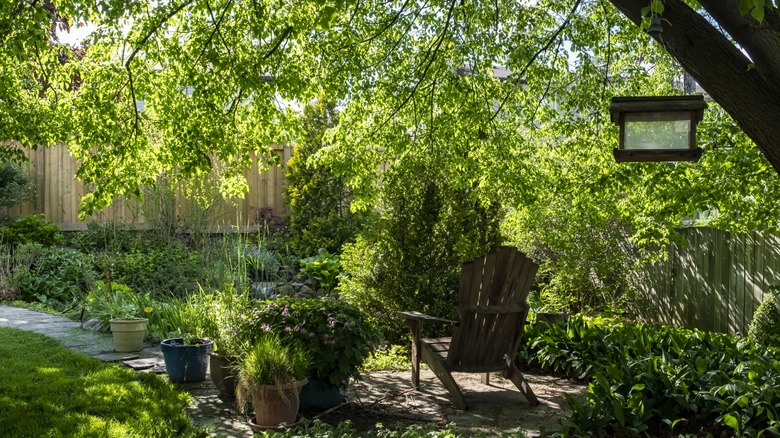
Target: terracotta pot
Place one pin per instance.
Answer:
(128, 334)
(275, 405)
(224, 373)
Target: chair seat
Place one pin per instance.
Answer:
(441, 347)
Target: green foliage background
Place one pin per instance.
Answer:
(414, 81)
(409, 257)
(319, 199)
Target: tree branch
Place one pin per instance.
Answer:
(137, 49)
(279, 42)
(762, 43)
(428, 60)
(215, 31)
(154, 30)
(521, 74)
(384, 29)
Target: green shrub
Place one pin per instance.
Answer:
(410, 257)
(337, 336)
(105, 236)
(324, 268)
(319, 200)
(765, 327)
(659, 380)
(52, 275)
(167, 270)
(15, 185)
(34, 228)
(586, 260)
(392, 358)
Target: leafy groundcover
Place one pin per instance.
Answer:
(48, 390)
(660, 381)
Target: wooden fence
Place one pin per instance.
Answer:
(714, 283)
(53, 171)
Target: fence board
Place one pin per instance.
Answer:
(59, 193)
(715, 283)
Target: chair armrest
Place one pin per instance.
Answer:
(417, 316)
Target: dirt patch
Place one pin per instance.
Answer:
(386, 397)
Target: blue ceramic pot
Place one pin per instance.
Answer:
(186, 363)
(320, 394)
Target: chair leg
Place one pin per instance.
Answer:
(415, 326)
(438, 368)
(517, 378)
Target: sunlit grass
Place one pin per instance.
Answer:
(48, 390)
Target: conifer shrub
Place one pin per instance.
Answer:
(319, 199)
(764, 329)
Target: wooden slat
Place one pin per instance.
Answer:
(52, 171)
(716, 283)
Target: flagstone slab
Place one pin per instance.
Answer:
(116, 357)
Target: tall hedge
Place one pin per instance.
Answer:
(319, 200)
(409, 257)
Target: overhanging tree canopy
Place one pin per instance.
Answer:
(218, 79)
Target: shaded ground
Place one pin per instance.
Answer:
(381, 397)
(495, 408)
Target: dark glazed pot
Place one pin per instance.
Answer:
(224, 373)
(320, 394)
(186, 363)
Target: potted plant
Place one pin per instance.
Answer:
(271, 376)
(115, 305)
(337, 336)
(188, 344)
(221, 326)
(186, 358)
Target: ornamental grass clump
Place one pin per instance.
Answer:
(270, 365)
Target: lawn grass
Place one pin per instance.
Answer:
(47, 390)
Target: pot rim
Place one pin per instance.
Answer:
(179, 342)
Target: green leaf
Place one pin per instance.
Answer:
(327, 15)
(731, 421)
(617, 409)
(758, 14)
(701, 365)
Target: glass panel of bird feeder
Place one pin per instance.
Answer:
(661, 130)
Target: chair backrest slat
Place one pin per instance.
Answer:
(492, 309)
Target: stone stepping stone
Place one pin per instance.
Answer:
(146, 365)
(116, 357)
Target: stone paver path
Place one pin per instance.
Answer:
(495, 408)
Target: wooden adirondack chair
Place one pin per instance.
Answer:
(492, 310)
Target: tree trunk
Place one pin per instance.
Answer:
(735, 82)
